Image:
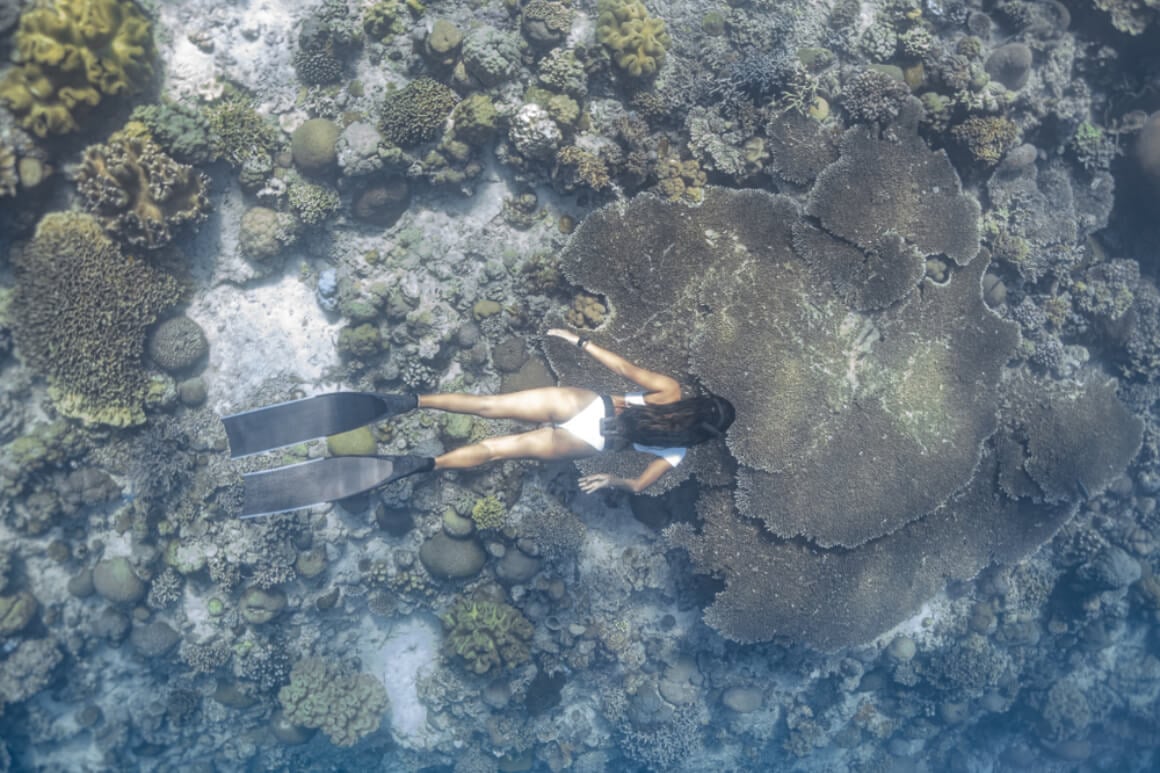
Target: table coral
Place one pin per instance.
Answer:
(879, 480)
(324, 694)
(81, 311)
(70, 55)
(140, 195)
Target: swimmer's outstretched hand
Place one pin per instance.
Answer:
(590, 483)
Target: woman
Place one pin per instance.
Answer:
(583, 423)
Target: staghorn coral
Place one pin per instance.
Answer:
(635, 40)
(70, 55)
(139, 194)
(81, 310)
(324, 694)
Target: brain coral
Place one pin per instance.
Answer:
(70, 54)
(80, 313)
(137, 192)
(865, 469)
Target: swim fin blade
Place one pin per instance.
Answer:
(296, 421)
(311, 483)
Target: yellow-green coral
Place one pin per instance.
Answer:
(489, 513)
(326, 695)
(635, 40)
(80, 313)
(138, 192)
(70, 54)
(487, 634)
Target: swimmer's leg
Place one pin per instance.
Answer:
(546, 404)
(546, 443)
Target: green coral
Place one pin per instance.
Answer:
(313, 203)
(326, 695)
(181, 130)
(635, 40)
(71, 54)
(238, 132)
(360, 341)
(987, 138)
(489, 513)
(474, 119)
(384, 19)
(487, 634)
(139, 194)
(81, 311)
(416, 112)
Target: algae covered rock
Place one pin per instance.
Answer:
(80, 313)
(327, 695)
(313, 144)
(452, 559)
(116, 581)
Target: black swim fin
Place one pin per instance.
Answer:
(323, 480)
(284, 424)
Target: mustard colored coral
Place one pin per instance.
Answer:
(72, 53)
(140, 194)
(636, 40)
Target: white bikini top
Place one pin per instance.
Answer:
(671, 455)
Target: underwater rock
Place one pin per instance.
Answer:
(259, 606)
(312, 146)
(741, 700)
(115, 581)
(452, 559)
(153, 639)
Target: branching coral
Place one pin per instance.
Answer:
(417, 112)
(70, 55)
(81, 310)
(138, 193)
(324, 694)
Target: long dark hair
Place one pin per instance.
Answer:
(681, 424)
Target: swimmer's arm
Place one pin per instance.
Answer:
(660, 388)
(652, 473)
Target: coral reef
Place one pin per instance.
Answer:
(902, 371)
(487, 634)
(80, 313)
(326, 695)
(70, 55)
(635, 40)
(139, 194)
(417, 112)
